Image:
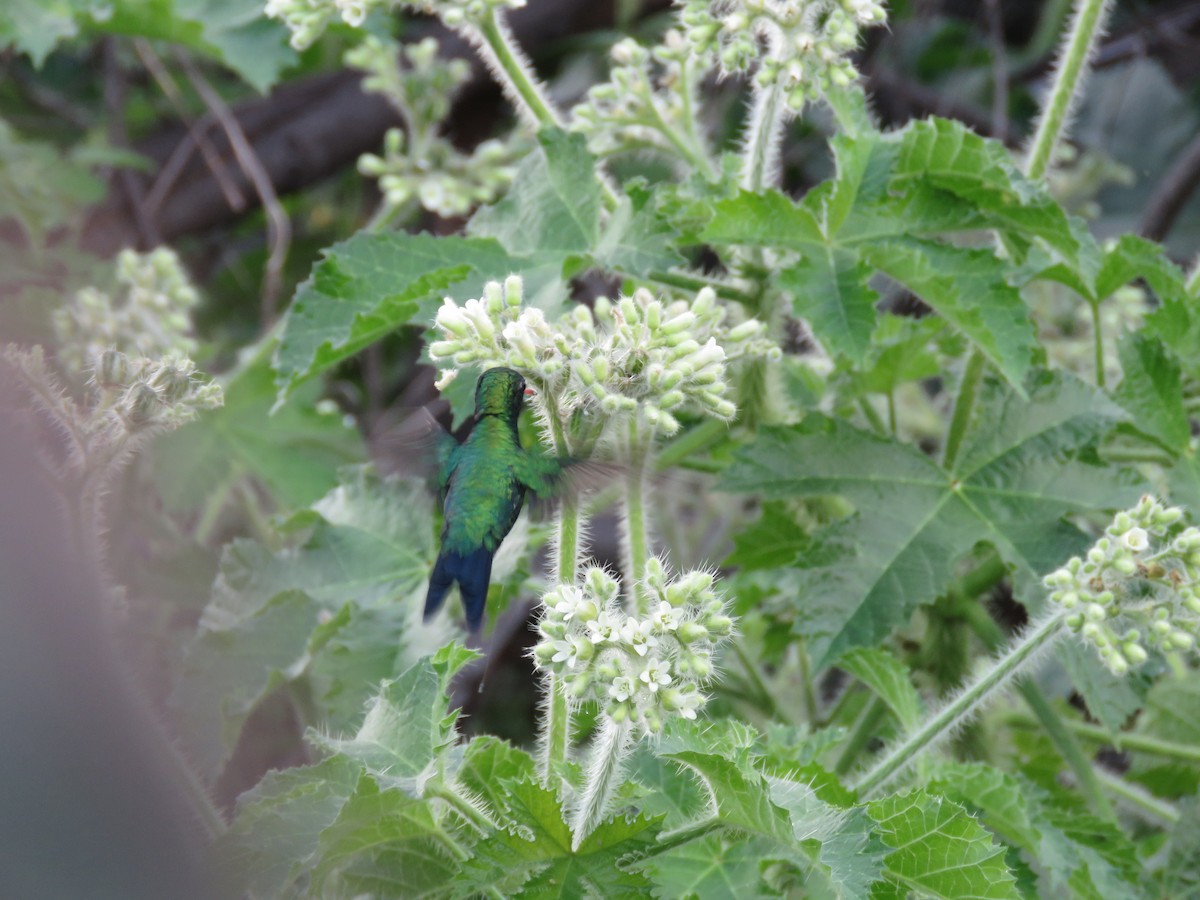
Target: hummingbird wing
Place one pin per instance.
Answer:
(412, 442)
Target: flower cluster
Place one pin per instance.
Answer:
(640, 670)
(423, 164)
(646, 103)
(308, 19)
(1137, 587)
(443, 180)
(807, 41)
(145, 393)
(638, 355)
(149, 316)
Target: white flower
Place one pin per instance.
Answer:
(1136, 539)
(622, 688)
(666, 618)
(639, 635)
(656, 674)
(602, 628)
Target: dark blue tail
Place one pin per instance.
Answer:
(473, 572)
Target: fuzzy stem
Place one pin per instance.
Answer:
(508, 63)
(555, 738)
(1080, 41)
(693, 282)
(964, 405)
(461, 805)
(635, 517)
(964, 706)
(1098, 343)
(1053, 724)
(608, 753)
(1069, 749)
(1159, 810)
(1141, 743)
(764, 127)
(865, 727)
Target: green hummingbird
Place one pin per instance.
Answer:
(482, 484)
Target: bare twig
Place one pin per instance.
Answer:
(995, 23)
(197, 139)
(279, 227)
(114, 104)
(1172, 193)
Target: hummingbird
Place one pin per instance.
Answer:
(481, 485)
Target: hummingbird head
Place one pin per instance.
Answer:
(499, 392)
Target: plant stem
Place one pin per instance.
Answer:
(1070, 750)
(694, 439)
(964, 406)
(1082, 36)
(1141, 743)
(872, 416)
(1053, 724)
(865, 727)
(555, 738)
(1159, 810)
(760, 154)
(512, 69)
(509, 65)
(1193, 282)
(691, 282)
(608, 753)
(766, 700)
(962, 707)
(1098, 343)
(808, 688)
(635, 517)
(472, 816)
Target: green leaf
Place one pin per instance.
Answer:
(537, 862)
(406, 727)
(549, 216)
(487, 764)
(830, 290)
(1110, 698)
(386, 844)
(939, 850)
(275, 837)
(1019, 471)
(712, 868)
(889, 679)
(36, 26)
(237, 33)
(372, 284)
(774, 540)
(1152, 391)
(367, 543)
(1172, 714)
(969, 289)
(850, 860)
(635, 239)
(1024, 815)
(296, 452)
(228, 670)
(1181, 877)
(40, 186)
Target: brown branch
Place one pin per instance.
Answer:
(279, 226)
(131, 187)
(197, 134)
(1172, 193)
(310, 129)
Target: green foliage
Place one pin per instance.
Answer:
(891, 495)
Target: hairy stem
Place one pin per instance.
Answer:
(604, 768)
(764, 128)
(1160, 811)
(1052, 724)
(555, 738)
(960, 710)
(865, 727)
(1140, 743)
(1069, 749)
(1098, 343)
(964, 406)
(461, 805)
(1078, 45)
(511, 68)
(636, 549)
